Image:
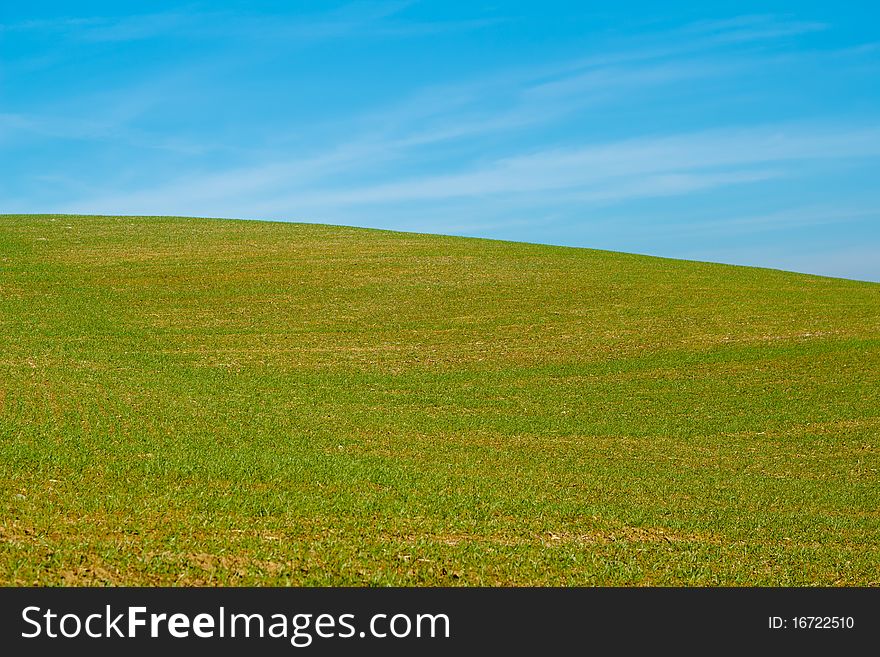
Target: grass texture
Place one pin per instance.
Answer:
(206, 402)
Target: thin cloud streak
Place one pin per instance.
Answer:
(593, 173)
(590, 165)
(525, 150)
(360, 19)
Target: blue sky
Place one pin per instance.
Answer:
(736, 132)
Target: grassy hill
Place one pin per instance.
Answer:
(192, 401)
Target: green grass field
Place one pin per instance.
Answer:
(193, 401)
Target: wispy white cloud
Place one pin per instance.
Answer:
(590, 174)
(592, 165)
(507, 101)
(503, 149)
(755, 27)
(360, 19)
(438, 114)
(541, 94)
(108, 115)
